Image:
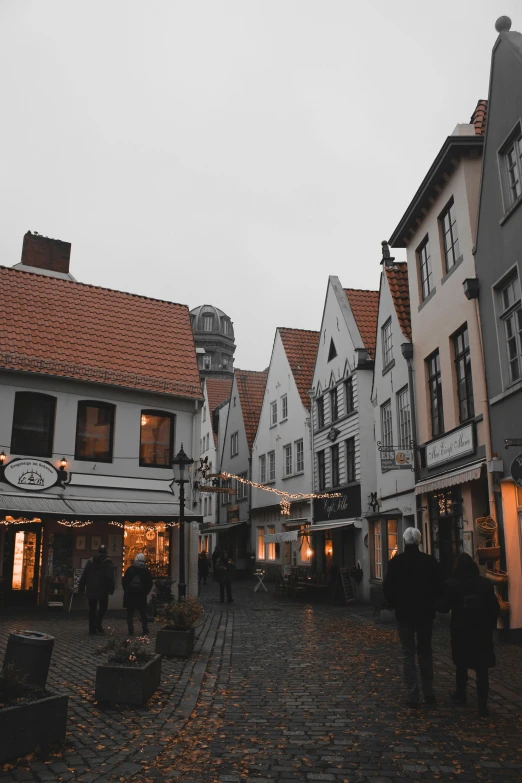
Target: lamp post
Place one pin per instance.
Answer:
(179, 463)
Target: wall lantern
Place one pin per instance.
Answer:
(3, 457)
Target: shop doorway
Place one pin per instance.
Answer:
(449, 548)
(22, 564)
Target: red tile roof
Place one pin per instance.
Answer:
(479, 117)
(251, 387)
(218, 390)
(301, 349)
(397, 276)
(365, 309)
(67, 329)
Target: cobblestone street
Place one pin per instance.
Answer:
(278, 690)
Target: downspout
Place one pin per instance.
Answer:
(311, 394)
(407, 352)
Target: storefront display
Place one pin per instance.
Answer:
(152, 540)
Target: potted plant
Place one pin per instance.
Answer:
(178, 619)
(30, 717)
(132, 672)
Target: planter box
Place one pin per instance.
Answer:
(27, 726)
(180, 643)
(127, 684)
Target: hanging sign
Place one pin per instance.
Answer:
(451, 446)
(516, 470)
(31, 474)
(220, 490)
(396, 459)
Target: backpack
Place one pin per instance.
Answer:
(135, 586)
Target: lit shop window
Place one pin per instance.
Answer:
(271, 547)
(156, 439)
(24, 561)
(376, 551)
(260, 543)
(94, 431)
(149, 539)
(393, 538)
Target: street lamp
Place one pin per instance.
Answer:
(179, 463)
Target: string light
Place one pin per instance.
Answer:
(21, 521)
(75, 522)
(139, 527)
(291, 495)
(285, 508)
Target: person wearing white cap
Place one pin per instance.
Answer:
(137, 584)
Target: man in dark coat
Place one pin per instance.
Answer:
(216, 554)
(203, 567)
(413, 584)
(98, 582)
(137, 584)
(474, 613)
(224, 571)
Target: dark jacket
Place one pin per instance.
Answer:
(132, 600)
(98, 579)
(203, 566)
(413, 584)
(224, 570)
(474, 612)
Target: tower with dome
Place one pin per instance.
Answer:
(214, 337)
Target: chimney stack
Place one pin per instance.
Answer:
(44, 253)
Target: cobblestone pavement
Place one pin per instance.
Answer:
(281, 690)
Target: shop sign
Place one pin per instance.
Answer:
(233, 514)
(451, 446)
(346, 506)
(31, 474)
(516, 470)
(396, 459)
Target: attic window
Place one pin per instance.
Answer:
(332, 353)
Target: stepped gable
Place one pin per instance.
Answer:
(365, 309)
(397, 276)
(63, 328)
(251, 388)
(301, 349)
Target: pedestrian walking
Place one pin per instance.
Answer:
(98, 582)
(203, 567)
(216, 554)
(224, 570)
(413, 584)
(137, 584)
(474, 612)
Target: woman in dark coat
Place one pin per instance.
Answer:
(203, 567)
(137, 584)
(224, 571)
(474, 612)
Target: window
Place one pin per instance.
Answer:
(156, 439)
(94, 431)
(424, 260)
(208, 323)
(205, 507)
(33, 424)
(350, 459)
(448, 222)
(299, 456)
(271, 466)
(234, 444)
(226, 326)
(204, 413)
(334, 457)
(260, 543)
(513, 167)
(403, 418)
(207, 362)
(273, 413)
(348, 394)
(387, 347)
(225, 497)
(334, 408)
(234, 403)
(435, 392)
(271, 547)
(288, 459)
(321, 470)
(319, 407)
(242, 489)
(376, 551)
(392, 537)
(284, 407)
(463, 374)
(332, 353)
(386, 425)
(510, 306)
(207, 441)
(262, 469)
(225, 361)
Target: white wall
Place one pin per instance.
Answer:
(239, 463)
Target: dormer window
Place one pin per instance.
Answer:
(226, 326)
(208, 323)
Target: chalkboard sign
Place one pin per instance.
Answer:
(344, 578)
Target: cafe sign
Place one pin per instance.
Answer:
(32, 475)
(451, 446)
(346, 506)
(396, 459)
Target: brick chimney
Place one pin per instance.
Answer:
(44, 253)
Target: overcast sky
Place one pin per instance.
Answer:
(230, 152)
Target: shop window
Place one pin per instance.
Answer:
(33, 424)
(152, 540)
(260, 543)
(271, 547)
(392, 534)
(24, 561)
(156, 439)
(94, 431)
(376, 551)
(305, 547)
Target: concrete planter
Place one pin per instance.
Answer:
(31, 724)
(127, 684)
(179, 643)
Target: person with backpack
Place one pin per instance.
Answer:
(137, 584)
(98, 582)
(474, 611)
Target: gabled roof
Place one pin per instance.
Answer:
(365, 309)
(397, 276)
(301, 349)
(251, 388)
(218, 390)
(72, 330)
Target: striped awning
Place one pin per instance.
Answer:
(322, 526)
(450, 479)
(280, 538)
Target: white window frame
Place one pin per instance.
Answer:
(234, 444)
(509, 303)
(284, 407)
(511, 174)
(404, 418)
(273, 413)
(208, 319)
(207, 362)
(386, 425)
(423, 253)
(387, 343)
(287, 459)
(262, 469)
(271, 465)
(299, 456)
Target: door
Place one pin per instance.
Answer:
(449, 548)
(22, 555)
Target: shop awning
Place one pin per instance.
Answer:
(460, 476)
(66, 507)
(280, 538)
(290, 524)
(222, 528)
(322, 526)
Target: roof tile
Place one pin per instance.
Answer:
(397, 276)
(365, 309)
(251, 388)
(301, 349)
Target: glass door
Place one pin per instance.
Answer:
(22, 565)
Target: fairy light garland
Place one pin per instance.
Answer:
(280, 492)
(21, 521)
(75, 523)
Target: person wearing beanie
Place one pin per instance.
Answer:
(137, 584)
(98, 582)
